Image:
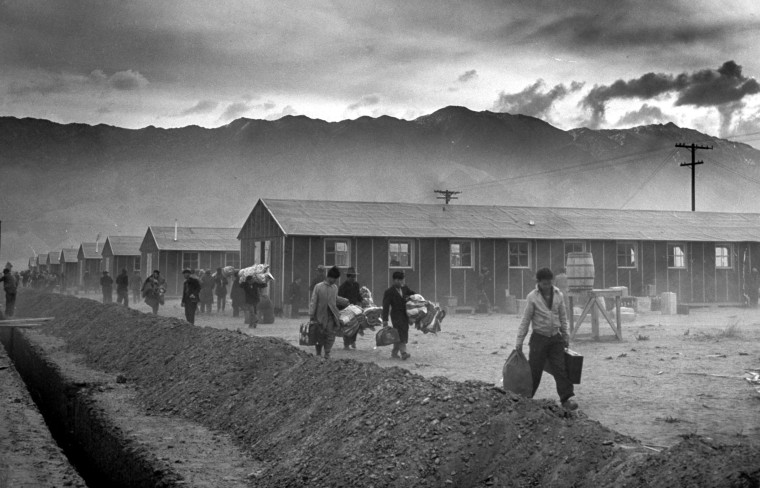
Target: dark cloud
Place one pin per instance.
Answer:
(202, 107)
(47, 83)
(647, 114)
(467, 76)
(723, 88)
(365, 101)
(534, 100)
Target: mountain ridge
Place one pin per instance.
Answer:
(78, 180)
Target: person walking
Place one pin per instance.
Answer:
(349, 290)
(135, 283)
(220, 289)
(323, 309)
(10, 286)
(153, 290)
(294, 298)
(191, 291)
(207, 292)
(122, 288)
(394, 304)
(251, 289)
(545, 312)
(106, 286)
(237, 295)
(483, 285)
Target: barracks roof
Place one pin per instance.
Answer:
(68, 256)
(122, 246)
(371, 219)
(193, 238)
(89, 250)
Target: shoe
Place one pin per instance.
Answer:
(570, 404)
(346, 348)
(394, 355)
(353, 346)
(405, 356)
(327, 356)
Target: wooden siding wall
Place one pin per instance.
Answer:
(120, 262)
(432, 276)
(71, 275)
(260, 226)
(91, 265)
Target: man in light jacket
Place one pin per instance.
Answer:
(323, 309)
(545, 311)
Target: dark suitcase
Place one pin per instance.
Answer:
(574, 366)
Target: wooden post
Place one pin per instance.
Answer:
(594, 318)
(617, 317)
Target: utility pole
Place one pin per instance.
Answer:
(693, 164)
(448, 195)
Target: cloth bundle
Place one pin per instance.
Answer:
(415, 307)
(366, 295)
(260, 273)
(373, 316)
(425, 315)
(431, 322)
(349, 320)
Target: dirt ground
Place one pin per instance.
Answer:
(311, 422)
(683, 375)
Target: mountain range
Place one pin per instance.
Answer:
(62, 184)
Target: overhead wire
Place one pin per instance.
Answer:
(659, 168)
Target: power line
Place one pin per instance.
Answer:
(447, 195)
(623, 159)
(646, 181)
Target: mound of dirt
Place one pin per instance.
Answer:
(317, 422)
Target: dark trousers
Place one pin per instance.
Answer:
(326, 336)
(10, 304)
(552, 350)
(350, 340)
(235, 310)
(190, 308)
(221, 303)
(107, 295)
(122, 297)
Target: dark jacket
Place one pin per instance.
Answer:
(191, 290)
(350, 291)
(396, 302)
(221, 286)
(122, 282)
(237, 295)
(106, 282)
(251, 290)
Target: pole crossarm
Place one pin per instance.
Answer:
(693, 147)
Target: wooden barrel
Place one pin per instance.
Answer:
(580, 271)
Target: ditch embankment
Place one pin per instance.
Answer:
(152, 401)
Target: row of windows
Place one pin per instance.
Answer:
(337, 252)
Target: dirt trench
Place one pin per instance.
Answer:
(298, 420)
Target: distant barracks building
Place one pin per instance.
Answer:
(703, 257)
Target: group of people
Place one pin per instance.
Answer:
(10, 282)
(326, 297)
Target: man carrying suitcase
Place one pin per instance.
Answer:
(545, 311)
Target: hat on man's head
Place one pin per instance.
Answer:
(105, 272)
(187, 270)
(334, 272)
(398, 275)
(351, 271)
(8, 265)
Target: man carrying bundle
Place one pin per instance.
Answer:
(394, 301)
(545, 311)
(349, 290)
(10, 284)
(323, 309)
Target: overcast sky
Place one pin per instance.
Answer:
(595, 63)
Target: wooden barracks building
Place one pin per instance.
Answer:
(171, 249)
(703, 257)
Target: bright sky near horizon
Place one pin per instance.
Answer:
(594, 63)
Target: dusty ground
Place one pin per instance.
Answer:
(311, 422)
(686, 377)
